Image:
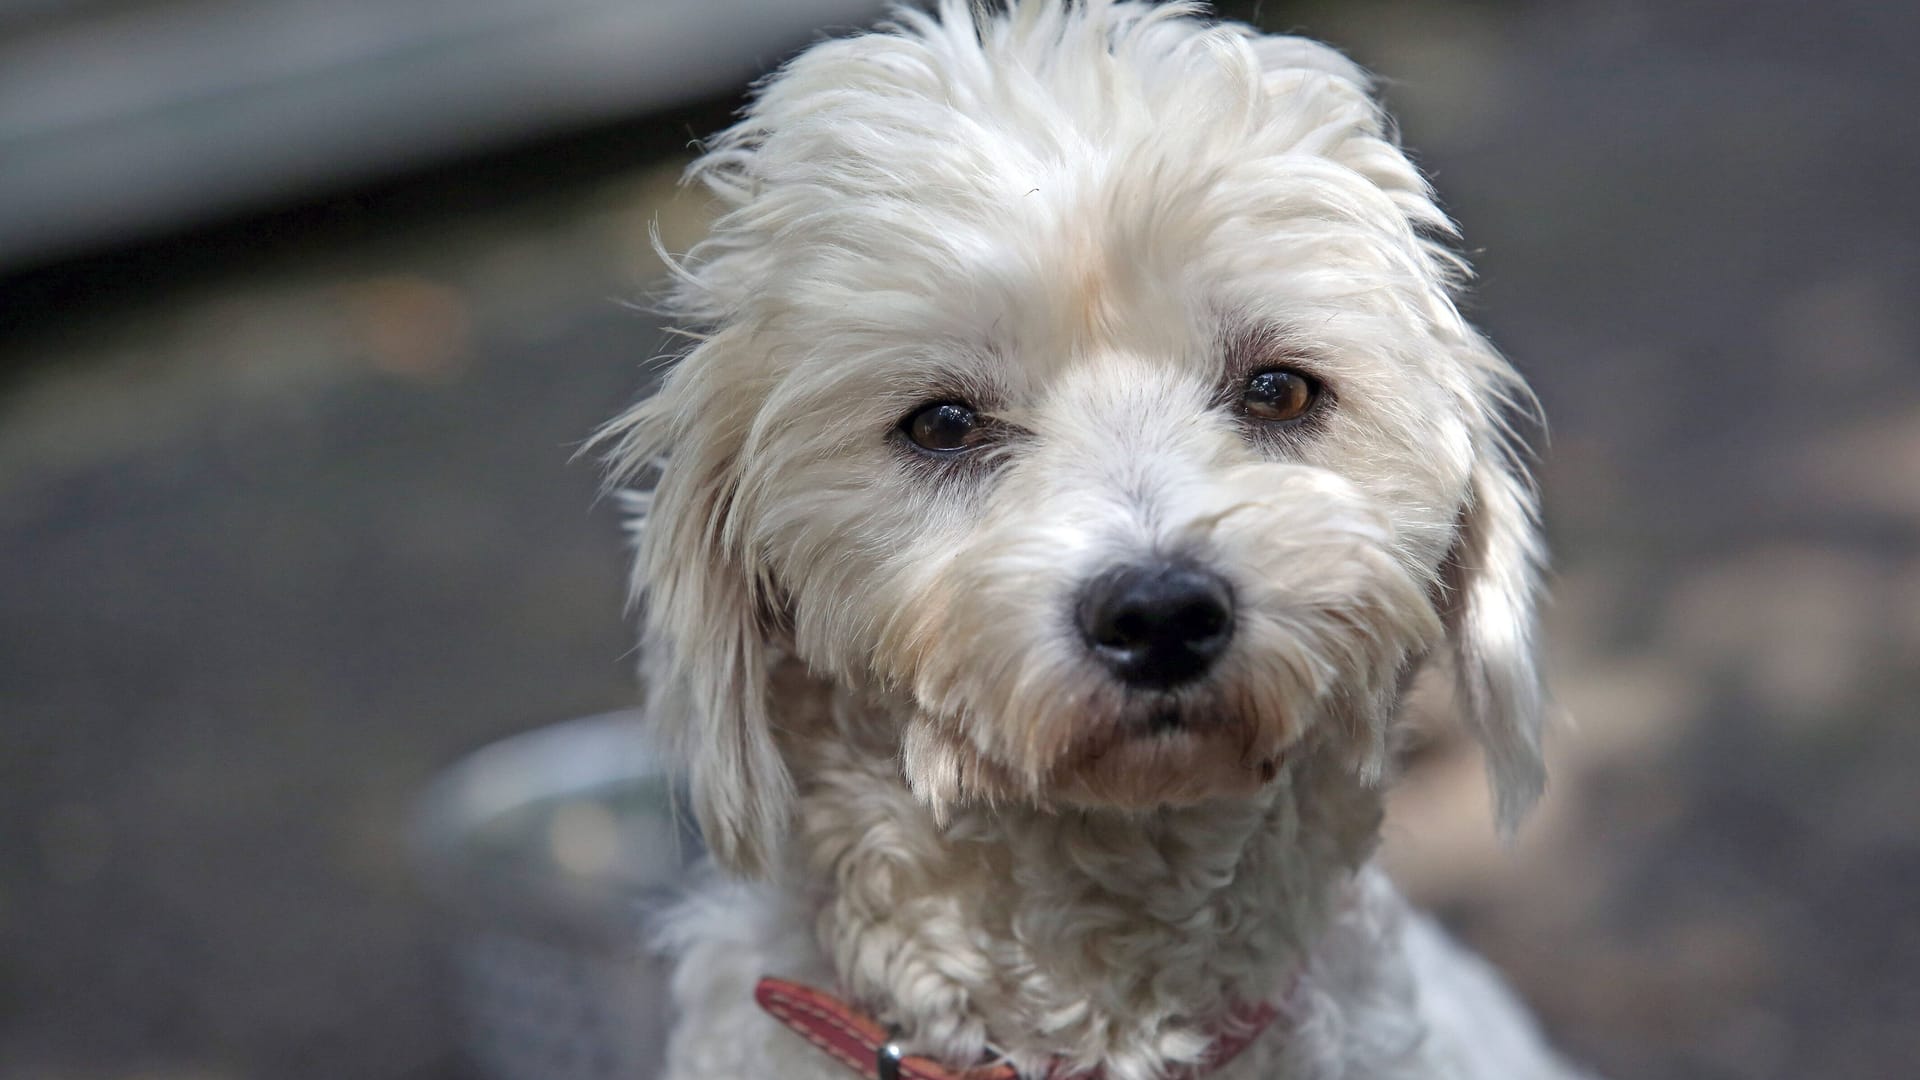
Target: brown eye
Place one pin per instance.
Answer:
(1279, 394)
(946, 427)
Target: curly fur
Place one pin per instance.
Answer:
(1090, 222)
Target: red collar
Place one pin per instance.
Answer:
(859, 1042)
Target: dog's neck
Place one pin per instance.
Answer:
(1104, 938)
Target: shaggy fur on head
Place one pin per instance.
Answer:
(1092, 225)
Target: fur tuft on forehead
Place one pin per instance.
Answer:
(1043, 147)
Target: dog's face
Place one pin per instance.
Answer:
(1087, 390)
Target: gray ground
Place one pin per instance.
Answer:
(285, 527)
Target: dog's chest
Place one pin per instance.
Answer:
(1033, 934)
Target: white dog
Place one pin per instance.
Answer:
(1080, 453)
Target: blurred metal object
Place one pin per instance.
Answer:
(551, 850)
(120, 120)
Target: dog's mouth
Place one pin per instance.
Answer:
(1137, 754)
(1166, 719)
(1168, 760)
(1169, 752)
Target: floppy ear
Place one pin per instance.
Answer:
(704, 652)
(1492, 579)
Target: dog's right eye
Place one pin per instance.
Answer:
(945, 427)
(1280, 395)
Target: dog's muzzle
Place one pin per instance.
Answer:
(1157, 625)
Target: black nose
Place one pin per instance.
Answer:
(1158, 625)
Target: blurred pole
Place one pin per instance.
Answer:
(152, 117)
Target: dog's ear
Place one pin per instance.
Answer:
(1491, 581)
(704, 651)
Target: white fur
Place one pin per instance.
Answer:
(1090, 222)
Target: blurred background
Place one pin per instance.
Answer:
(305, 306)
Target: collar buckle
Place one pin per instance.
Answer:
(886, 1057)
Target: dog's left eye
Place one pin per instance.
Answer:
(944, 427)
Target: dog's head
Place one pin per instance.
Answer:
(1087, 384)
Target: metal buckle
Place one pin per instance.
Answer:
(886, 1059)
